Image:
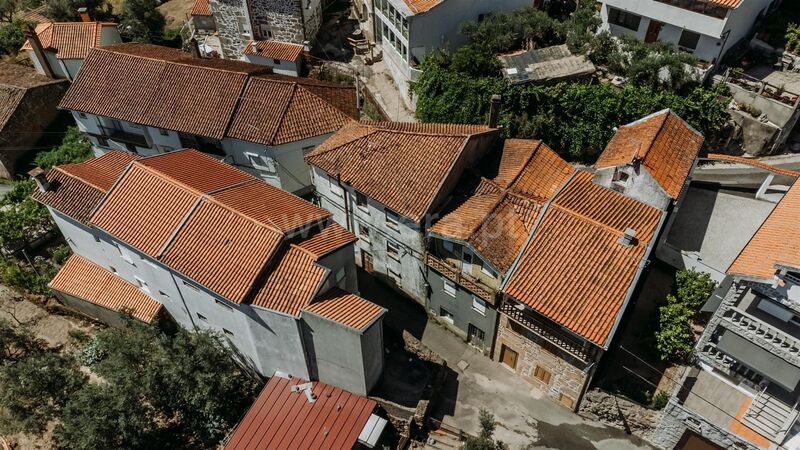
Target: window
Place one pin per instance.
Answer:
(227, 331)
(96, 239)
(449, 288)
(689, 40)
(112, 269)
(336, 190)
(478, 305)
(624, 19)
(82, 115)
(223, 304)
(508, 357)
(392, 219)
(202, 317)
(163, 294)
(142, 284)
(393, 250)
(163, 132)
(276, 61)
(620, 175)
(259, 162)
(361, 201)
(191, 286)
(542, 374)
(363, 232)
(446, 315)
(488, 270)
(475, 334)
(125, 254)
(101, 141)
(567, 401)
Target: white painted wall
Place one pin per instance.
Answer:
(640, 185)
(279, 66)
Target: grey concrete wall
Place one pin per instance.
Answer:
(372, 350)
(291, 68)
(640, 185)
(342, 265)
(104, 315)
(676, 420)
(461, 308)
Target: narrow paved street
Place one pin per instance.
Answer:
(522, 414)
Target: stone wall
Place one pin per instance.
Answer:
(620, 413)
(286, 20)
(233, 25)
(566, 379)
(676, 419)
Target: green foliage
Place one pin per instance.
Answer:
(657, 65)
(514, 30)
(12, 37)
(17, 343)
(485, 440)
(142, 22)
(674, 337)
(9, 7)
(74, 148)
(36, 388)
(21, 216)
(580, 29)
(67, 10)
(659, 400)
(792, 37)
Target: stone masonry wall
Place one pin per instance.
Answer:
(566, 380)
(284, 19)
(233, 26)
(676, 420)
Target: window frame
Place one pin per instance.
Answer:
(622, 18)
(364, 206)
(479, 305)
(449, 285)
(688, 33)
(393, 250)
(392, 219)
(363, 233)
(336, 190)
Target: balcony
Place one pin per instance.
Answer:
(564, 341)
(125, 137)
(478, 288)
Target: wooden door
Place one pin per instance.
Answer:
(366, 261)
(508, 357)
(653, 30)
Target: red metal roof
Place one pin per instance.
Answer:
(86, 280)
(282, 419)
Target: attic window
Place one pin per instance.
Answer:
(620, 175)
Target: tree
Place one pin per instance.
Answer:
(674, 337)
(67, 10)
(142, 21)
(74, 148)
(693, 288)
(37, 387)
(17, 343)
(12, 36)
(504, 32)
(485, 440)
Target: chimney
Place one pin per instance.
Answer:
(38, 52)
(41, 180)
(628, 238)
(194, 48)
(84, 14)
(494, 111)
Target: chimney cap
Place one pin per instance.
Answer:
(36, 172)
(628, 237)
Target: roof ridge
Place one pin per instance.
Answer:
(525, 164)
(176, 62)
(317, 152)
(306, 251)
(326, 102)
(423, 133)
(491, 213)
(666, 114)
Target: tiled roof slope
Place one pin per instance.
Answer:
(499, 214)
(730, 4)
(400, 166)
(326, 241)
(282, 419)
(292, 283)
(662, 142)
(86, 280)
(200, 8)
(753, 163)
(347, 309)
(285, 51)
(77, 189)
(166, 88)
(70, 40)
(10, 99)
(574, 270)
(777, 241)
(421, 6)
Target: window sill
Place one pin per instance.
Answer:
(483, 314)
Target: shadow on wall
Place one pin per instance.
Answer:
(404, 314)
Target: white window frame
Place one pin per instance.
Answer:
(125, 254)
(396, 249)
(364, 236)
(479, 305)
(487, 270)
(392, 219)
(265, 164)
(336, 190)
(449, 288)
(365, 206)
(142, 284)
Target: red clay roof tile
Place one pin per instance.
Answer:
(292, 283)
(70, 40)
(330, 239)
(346, 308)
(285, 51)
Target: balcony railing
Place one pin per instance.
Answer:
(478, 288)
(762, 333)
(125, 137)
(562, 340)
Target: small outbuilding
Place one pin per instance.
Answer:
(550, 64)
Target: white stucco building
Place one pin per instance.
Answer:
(150, 100)
(386, 182)
(707, 28)
(57, 49)
(285, 58)
(218, 249)
(407, 30)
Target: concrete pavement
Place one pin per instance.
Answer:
(383, 89)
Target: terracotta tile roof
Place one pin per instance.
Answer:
(201, 8)
(292, 283)
(70, 40)
(330, 239)
(285, 51)
(10, 99)
(86, 280)
(663, 143)
(284, 211)
(497, 217)
(574, 270)
(282, 419)
(275, 112)
(346, 308)
(421, 6)
(214, 239)
(169, 89)
(77, 189)
(196, 170)
(777, 241)
(35, 15)
(754, 163)
(730, 4)
(398, 168)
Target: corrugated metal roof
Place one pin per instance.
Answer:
(346, 308)
(777, 241)
(574, 270)
(285, 51)
(86, 280)
(662, 142)
(281, 419)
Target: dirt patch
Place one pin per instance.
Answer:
(176, 12)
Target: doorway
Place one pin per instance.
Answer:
(508, 357)
(653, 30)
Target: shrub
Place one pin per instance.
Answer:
(74, 148)
(674, 337)
(659, 400)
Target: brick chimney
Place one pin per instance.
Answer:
(39, 177)
(84, 14)
(494, 111)
(38, 52)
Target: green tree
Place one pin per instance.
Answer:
(67, 10)
(693, 288)
(74, 148)
(674, 337)
(21, 216)
(485, 439)
(12, 36)
(141, 21)
(37, 387)
(504, 32)
(17, 343)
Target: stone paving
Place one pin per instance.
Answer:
(382, 87)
